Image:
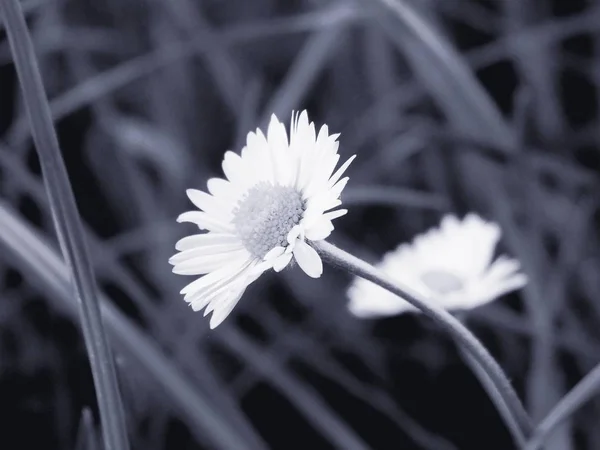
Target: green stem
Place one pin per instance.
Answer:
(452, 326)
(68, 226)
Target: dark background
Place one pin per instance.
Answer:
(148, 95)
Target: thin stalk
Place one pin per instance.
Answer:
(489, 387)
(498, 401)
(498, 380)
(575, 399)
(68, 226)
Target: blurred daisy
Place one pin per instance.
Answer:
(452, 265)
(279, 194)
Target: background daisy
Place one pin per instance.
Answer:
(452, 265)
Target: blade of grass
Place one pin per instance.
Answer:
(300, 77)
(225, 70)
(443, 71)
(68, 226)
(281, 378)
(94, 40)
(299, 393)
(583, 392)
(34, 256)
(125, 73)
(107, 263)
(537, 63)
(87, 438)
(393, 196)
(314, 354)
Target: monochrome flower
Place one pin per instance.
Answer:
(278, 195)
(452, 265)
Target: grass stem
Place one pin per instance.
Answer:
(68, 226)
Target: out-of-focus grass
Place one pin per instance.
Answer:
(147, 96)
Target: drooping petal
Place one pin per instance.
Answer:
(223, 306)
(308, 259)
(200, 291)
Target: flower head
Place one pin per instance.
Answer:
(451, 264)
(277, 195)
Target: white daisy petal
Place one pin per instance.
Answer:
(205, 251)
(274, 253)
(335, 214)
(275, 194)
(223, 304)
(337, 175)
(197, 240)
(450, 265)
(198, 285)
(205, 221)
(233, 167)
(214, 283)
(209, 204)
(294, 234)
(308, 259)
(222, 189)
(200, 265)
(320, 230)
(282, 261)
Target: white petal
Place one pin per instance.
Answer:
(206, 221)
(281, 262)
(308, 259)
(294, 233)
(207, 263)
(205, 250)
(280, 155)
(223, 190)
(214, 283)
(213, 277)
(197, 240)
(276, 134)
(224, 309)
(223, 306)
(335, 214)
(337, 175)
(234, 170)
(274, 253)
(320, 230)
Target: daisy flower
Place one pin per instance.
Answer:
(278, 195)
(451, 264)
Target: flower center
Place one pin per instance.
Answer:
(265, 216)
(441, 282)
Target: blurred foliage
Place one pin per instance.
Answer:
(451, 105)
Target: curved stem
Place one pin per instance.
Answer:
(452, 326)
(576, 397)
(497, 400)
